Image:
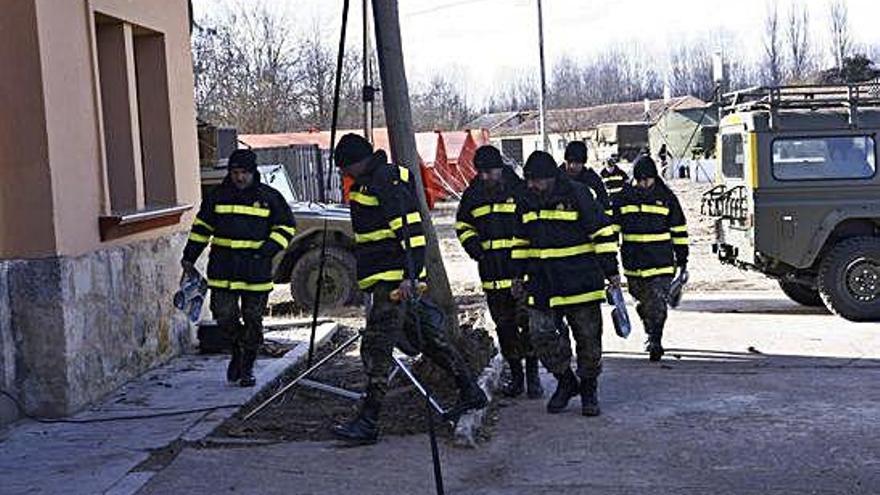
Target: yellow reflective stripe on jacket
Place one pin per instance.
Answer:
(411, 218)
(364, 199)
(236, 243)
(497, 284)
(678, 228)
(286, 228)
(464, 226)
(235, 285)
(659, 210)
(612, 177)
(650, 272)
(404, 173)
(548, 253)
(608, 213)
(199, 238)
(497, 244)
(242, 210)
(386, 276)
(414, 242)
(376, 235)
(604, 231)
(280, 239)
(518, 241)
(199, 221)
(493, 208)
(680, 241)
(606, 247)
(521, 254)
(596, 295)
(614, 190)
(647, 237)
(466, 235)
(563, 215)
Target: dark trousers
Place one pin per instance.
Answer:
(652, 295)
(554, 347)
(511, 319)
(231, 307)
(385, 329)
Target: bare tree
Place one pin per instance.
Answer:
(516, 94)
(773, 58)
(841, 37)
(798, 38)
(441, 105)
(691, 71)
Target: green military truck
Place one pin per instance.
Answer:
(797, 195)
(298, 264)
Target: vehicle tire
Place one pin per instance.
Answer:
(340, 278)
(849, 279)
(802, 294)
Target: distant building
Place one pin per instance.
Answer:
(98, 179)
(518, 133)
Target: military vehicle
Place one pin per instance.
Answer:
(798, 195)
(298, 264)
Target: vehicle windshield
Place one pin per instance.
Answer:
(733, 157)
(276, 176)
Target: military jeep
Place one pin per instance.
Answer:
(299, 263)
(797, 194)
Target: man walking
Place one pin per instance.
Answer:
(246, 223)
(655, 242)
(389, 248)
(613, 177)
(568, 251)
(576, 168)
(485, 224)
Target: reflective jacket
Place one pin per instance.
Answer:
(485, 224)
(614, 180)
(379, 200)
(245, 230)
(653, 231)
(591, 179)
(565, 246)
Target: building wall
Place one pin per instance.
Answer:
(532, 142)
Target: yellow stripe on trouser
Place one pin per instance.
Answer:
(242, 210)
(650, 272)
(236, 243)
(647, 237)
(411, 218)
(236, 285)
(497, 284)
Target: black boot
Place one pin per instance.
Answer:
(364, 428)
(654, 348)
(566, 388)
(233, 371)
(533, 379)
(515, 387)
(470, 396)
(247, 368)
(589, 397)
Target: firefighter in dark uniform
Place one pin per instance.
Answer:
(386, 223)
(485, 224)
(576, 168)
(613, 177)
(246, 223)
(655, 242)
(568, 250)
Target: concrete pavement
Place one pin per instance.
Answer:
(756, 395)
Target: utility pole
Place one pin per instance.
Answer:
(543, 95)
(401, 135)
(369, 91)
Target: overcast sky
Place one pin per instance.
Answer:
(481, 41)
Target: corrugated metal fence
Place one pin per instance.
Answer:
(302, 163)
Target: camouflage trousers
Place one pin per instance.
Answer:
(553, 346)
(511, 319)
(652, 295)
(229, 315)
(385, 330)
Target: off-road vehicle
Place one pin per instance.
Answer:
(298, 264)
(798, 194)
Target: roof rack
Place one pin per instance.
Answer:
(849, 97)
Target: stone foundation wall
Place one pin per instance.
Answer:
(84, 325)
(8, 411)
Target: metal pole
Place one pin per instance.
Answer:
(368, 75)
(543, 95)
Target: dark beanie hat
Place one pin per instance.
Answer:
(488, 157)
(245, 159)
(540, 165)
(351, 149)
(644, 168)
(576, 151)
